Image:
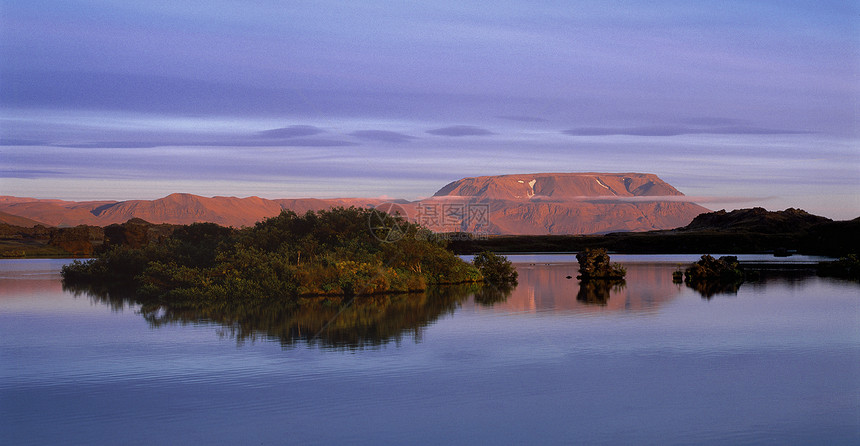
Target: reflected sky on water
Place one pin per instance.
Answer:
(776, 362)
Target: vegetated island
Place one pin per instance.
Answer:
(710, 276)
(324, 255)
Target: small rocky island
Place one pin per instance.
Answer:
(594, 264)
(598, 276)
(710, 276)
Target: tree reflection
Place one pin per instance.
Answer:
(489, 295)
(710, 288)
(116, 297)
(363, 322)
(598, 291)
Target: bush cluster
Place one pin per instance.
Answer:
(847, 267)
(595, 264)
(710, 276)
(708, 268)
(497, 270)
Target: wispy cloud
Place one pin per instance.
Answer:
(132, 138)
(293, 131)
(29, 173)
(450, 198)
(460, 130)
(292, 142)
(675, 130)
(519, 118)
(382, 136)
(22, 142)
(226, 142)
(109, 145)
(713, 121)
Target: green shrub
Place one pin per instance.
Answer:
(497, 270)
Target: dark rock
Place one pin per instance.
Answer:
(710, 276)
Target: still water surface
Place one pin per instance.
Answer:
(777, 362)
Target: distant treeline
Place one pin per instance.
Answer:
(738, 232)
(78, 241)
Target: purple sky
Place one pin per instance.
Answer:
(738, 104)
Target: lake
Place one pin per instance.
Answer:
(776, 361)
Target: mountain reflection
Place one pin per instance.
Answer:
(546, 288)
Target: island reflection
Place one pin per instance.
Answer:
(363, 322)
(373, 321)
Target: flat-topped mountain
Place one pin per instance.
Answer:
(542, 203)
(571, 203)
(559, 186)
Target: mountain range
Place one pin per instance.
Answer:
(542, 203)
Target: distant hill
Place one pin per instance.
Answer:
(740, 231)
(15, 220)
(756, 220)
(543, 203)
(179, 209)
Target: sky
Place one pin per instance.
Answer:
(735, 103)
